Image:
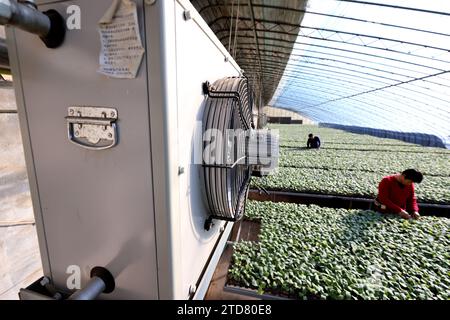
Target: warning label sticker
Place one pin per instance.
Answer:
(121, 46)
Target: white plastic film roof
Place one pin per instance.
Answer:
(380, 64)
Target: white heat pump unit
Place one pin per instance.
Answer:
(113, 117)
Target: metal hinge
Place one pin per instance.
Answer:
(92, 128)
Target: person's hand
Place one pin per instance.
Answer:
(404, 214)
(415, 215)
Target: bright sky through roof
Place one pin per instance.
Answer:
(372, 66)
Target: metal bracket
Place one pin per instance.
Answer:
(92, 128)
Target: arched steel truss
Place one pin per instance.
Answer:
(335, 63)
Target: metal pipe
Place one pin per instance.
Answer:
(24, 17)
(49, 25)
(93, 289)
(102, 281)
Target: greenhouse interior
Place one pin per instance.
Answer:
(261, 150)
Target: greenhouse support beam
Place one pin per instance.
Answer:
(273, 54)
(268, 6)
(255, 35)
(247, 46)
(295, 26)
(382, 88)
(280, 40)
(335, 41)
(397, 7)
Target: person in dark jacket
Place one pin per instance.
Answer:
(313, 142)
(396, 194)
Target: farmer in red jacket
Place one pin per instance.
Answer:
(396, 194)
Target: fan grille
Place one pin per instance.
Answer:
(227, 120)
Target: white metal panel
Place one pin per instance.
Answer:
(96, 206)
(161, 57)
(200, 57)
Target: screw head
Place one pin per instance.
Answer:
(109, 135)
(71, 112)
(187, 15)
(45, 281)
(113, 114)
(192, 289)
(77, 133)
(57, 296)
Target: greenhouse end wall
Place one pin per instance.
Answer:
(427, 140)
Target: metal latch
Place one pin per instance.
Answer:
(92, 128)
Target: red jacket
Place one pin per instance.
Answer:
(396, 196)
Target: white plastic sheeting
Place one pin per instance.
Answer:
(381, 64)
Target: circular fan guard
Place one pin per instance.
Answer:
(227, 119)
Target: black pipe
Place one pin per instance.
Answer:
(48, 25)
